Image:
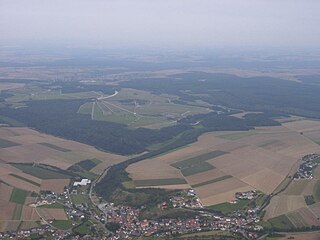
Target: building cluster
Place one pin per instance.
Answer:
(186, 199)
(305, 170)
(83, 182)
(249, 195)
(43, 232)
(128, 223)
(127, 219)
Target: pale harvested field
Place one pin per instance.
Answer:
(159, 167)
(52, 213)
(301, 187)
(177, 186)
(54, 185)
(284, 204)
(296, 187)
(8, 86)
(209, 140)
(303, 217)
(28, 224)
(204, 176)
(264, 153)
(265, 180)
(5, 133)
(30, 200)
(242, 114)
(9, 156)
(63, 163)
(29, 213)
(7, 169)
(302, 236)
(313, 135)
(30, 177)
(25, 154)
(303, 125)
(152, 170)
(315, 208)
(11, 225)
(30, 139)
(6, 210)
(247, 161)
(224, 197)
(31, 151)
(231, 146)
(5, 192)
(219, 187)
(18, 183)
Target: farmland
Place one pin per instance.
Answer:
(299, 202)
(222, 163)
(32, 162)
(200, 133)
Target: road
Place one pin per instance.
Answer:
(110, 96)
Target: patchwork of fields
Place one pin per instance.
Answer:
(31, 162)
(137, 108)
(220, 164)
(299, 203)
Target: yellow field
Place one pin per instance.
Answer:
(257, 159)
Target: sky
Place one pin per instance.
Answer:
(162, 23)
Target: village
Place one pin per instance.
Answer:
(127, 223)
(124, 222)
(309, 163)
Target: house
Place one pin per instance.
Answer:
(83, 182)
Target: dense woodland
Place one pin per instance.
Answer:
(254, 94)
(60, 118)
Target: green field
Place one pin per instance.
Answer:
(128, 184)
(55, 147)
(18, 196)
(212, 181)
(227, 208)
(84, 228)
(281, 222)
(88, 164)
(25, 179)
(62, 224)
(5, 143)
(259, 201)
(159, 182)
(137, 108)
(88, 175)
(207, 235)
(200, 167)
(53, 205)
(86, 108)
(42, 172)
(198, 159)
(79, 198)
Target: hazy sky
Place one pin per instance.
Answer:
(169, 23)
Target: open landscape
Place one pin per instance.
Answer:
(162, 119)
(32, 162)
(224, 163)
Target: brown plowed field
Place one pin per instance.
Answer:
(54, 185)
